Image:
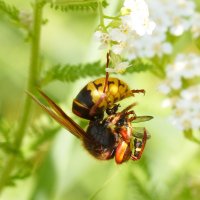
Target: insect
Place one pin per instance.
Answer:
(105, 137)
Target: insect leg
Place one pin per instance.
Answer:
(122, 152)
(103, 96)
(138, 91)
(139, 147)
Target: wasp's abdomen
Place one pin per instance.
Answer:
(116, 90)
(104, 141)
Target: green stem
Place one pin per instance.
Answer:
(33, 71)
(189, 135)
(78, 2)
(110, 17)
(32, 78)
(101, 15)
(158, 68)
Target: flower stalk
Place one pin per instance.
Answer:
(101, 15)
(32, 80)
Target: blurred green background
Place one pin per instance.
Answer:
(62, 169)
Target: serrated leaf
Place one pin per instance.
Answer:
(43, 129)
(11, 11)
(5, 129)
(47, 134)
(71, 73)
(23, 169)
(140, 65)
(76, 5)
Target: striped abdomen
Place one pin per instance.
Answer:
(116, 90)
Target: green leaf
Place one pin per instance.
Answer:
(140, 65)
(11, 11)
(71, 73)
(43, 128)
(22, 169)
(5, 129)
(47, 134)
(189, 135)
(197, 42)
(77, 5)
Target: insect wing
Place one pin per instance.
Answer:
(138, 132)
(58, 114)
(141, 119)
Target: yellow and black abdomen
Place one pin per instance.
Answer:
(116, 90)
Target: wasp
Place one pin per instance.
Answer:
(107, 136)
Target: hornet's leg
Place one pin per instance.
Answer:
(103, 96)
(139, 147)
(122, 152)
(132, 112)
(138, 91)
(121, 116)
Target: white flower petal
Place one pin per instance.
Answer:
(117, 35)
(164, 88)
(167, 48)
(119, 68)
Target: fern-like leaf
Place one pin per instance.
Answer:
(11, 11)
(71, 73)
(140, 65)
(43, 129)
(5, 129)
(77, 5)
(22, 169)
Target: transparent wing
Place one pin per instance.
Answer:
(60, 116)
(138, 132)
(141, 119)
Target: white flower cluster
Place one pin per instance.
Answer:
(186, 109)
(186, 105)
(122, 36)
(138, 36)
(174, 17)
(196, 25)
(184, 66)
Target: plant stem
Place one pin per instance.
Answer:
(110, 17)
(32, 78)
(33, 71)
(101, 15)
